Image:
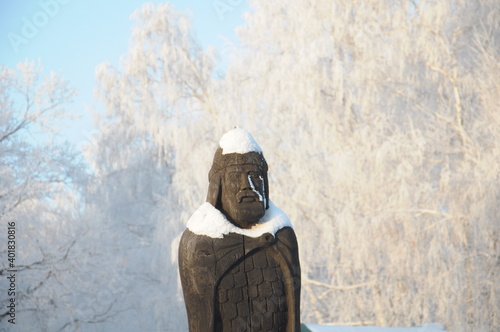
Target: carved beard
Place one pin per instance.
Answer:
(245, 214)
(243, 209)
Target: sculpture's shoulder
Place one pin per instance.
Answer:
(208, 221)
(287, 236)
(286, 242)
(192, 242)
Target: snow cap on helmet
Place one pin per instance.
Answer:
(238, 140)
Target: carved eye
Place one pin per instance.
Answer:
(232, 181)
(234, 176)
(256, 178)
(255, 174)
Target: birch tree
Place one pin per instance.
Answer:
(38, 193)
(158, 113)
(379, 122)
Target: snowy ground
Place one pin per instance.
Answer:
(331, 328)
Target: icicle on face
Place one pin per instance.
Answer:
(261, 199)
(263, 189)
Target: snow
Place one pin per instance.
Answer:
(238, 140)
(209, 221)
(434, 327)
(261, 199)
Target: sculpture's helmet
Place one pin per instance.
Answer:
(236, 147)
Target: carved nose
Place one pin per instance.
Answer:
(245, 183)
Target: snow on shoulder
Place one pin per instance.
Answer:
(209, 221)
(238, 140)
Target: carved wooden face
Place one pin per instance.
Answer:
(243, 194)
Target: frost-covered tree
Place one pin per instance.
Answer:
(383, 132)
(38, 195)
(158, 112)
(379, 121)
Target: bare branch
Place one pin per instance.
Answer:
(333, 288)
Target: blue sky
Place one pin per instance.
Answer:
(72, 37)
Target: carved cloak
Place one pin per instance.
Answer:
(240, 280)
